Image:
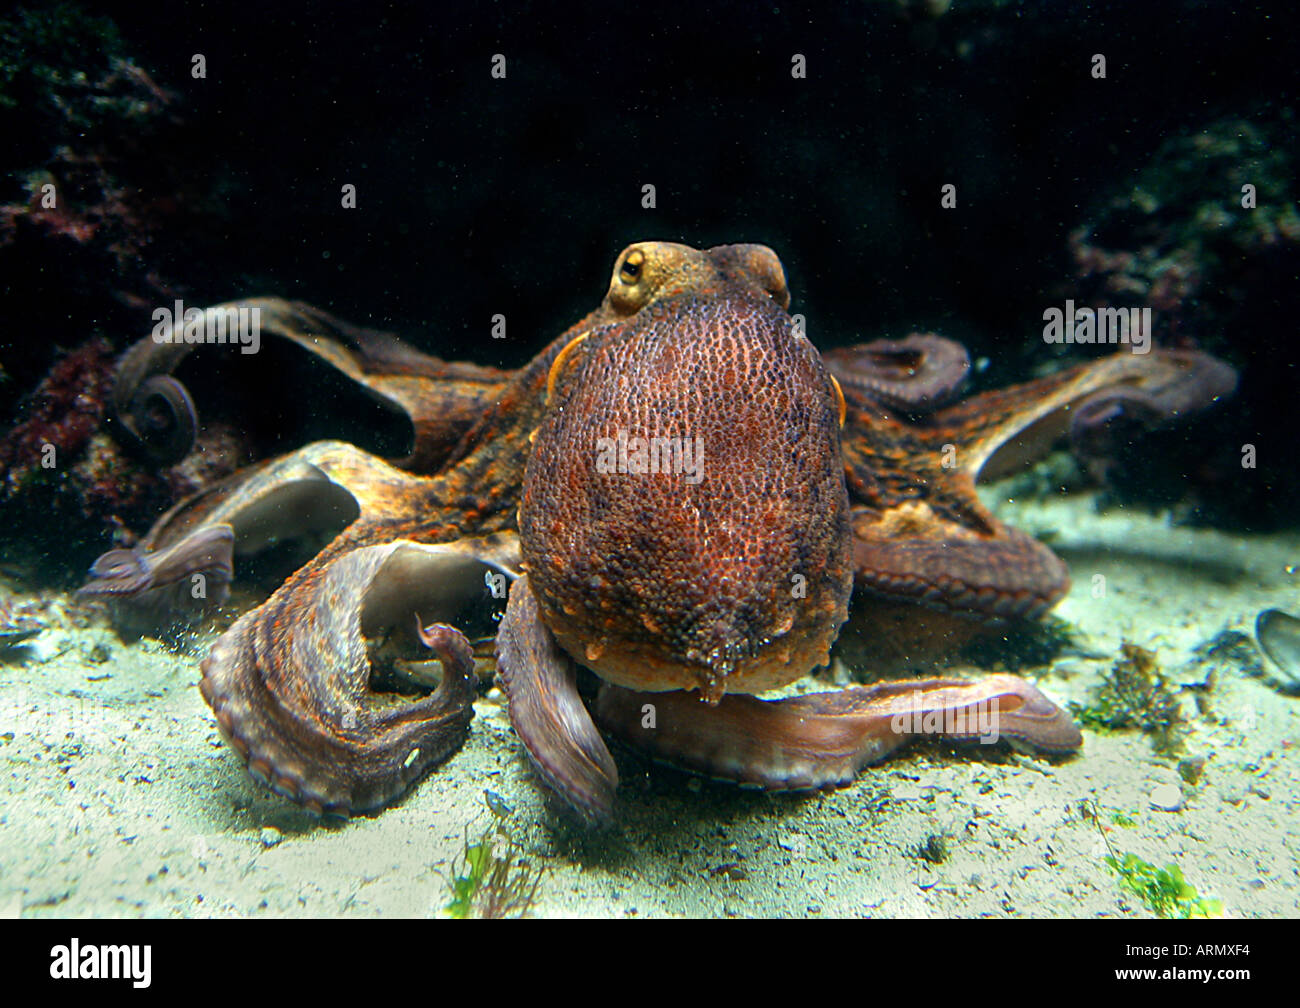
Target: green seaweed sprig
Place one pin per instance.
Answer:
(468, 873)
(491, 878)
(1163, 891)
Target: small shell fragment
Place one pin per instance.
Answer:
(17, 626)
(497, 804)
(1278, 634)
(11, 637)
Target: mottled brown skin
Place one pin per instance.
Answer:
(921, 534)
(664, 581)
(684, 595)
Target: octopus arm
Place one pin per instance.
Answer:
(823, 739)
(441, 399)
(999, 431)
(540, 682)
(292, 683)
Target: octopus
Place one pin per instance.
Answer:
(662, 517)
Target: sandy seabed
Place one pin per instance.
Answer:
(120, 799)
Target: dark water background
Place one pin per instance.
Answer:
(479, 196)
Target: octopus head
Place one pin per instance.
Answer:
(684, 519)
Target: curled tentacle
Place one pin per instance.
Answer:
(824, 739)
(291, 682)
(326, 496)
(1004, 429)
(926, 537)
(1189, 383)
(160, 416)
(157, 412)
(915, 374)
(153, 408)
(449, 646)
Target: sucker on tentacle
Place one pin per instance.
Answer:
(824, 739)
(157, 412)
(915, 374)
(289, 684)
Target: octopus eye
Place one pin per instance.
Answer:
(630, 271)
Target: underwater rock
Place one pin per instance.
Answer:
(1166, 798)
(1181, 233)
(61, 476)
(64, 412)
(88, 123)
(1206, 235)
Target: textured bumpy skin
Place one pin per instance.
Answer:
(726, 574)
(730, 570)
